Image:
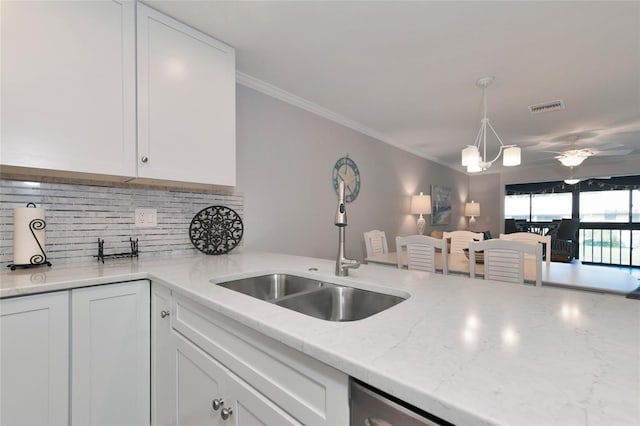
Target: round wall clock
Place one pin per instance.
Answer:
(347, 171)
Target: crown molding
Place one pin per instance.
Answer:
(288, 97)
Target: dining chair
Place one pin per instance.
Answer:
(460, 239)
(504, 260)
(375, 242)
(421, 252)
(530, 237)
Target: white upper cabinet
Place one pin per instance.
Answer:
(69, 93)
(68, 86)
(186, 103)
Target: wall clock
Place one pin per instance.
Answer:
(347, 171)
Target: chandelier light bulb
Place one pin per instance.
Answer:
(470, 155)
(473, 168)
(511, 156)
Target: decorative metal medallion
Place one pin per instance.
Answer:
(216, 230)
(346, 170)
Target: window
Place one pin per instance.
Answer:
(517, 206)
(605, 206)
(608, 208)
(547, 207)
(538, 207)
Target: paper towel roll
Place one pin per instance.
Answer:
(25, 247)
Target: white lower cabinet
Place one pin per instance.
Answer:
(220, 372)
(85, 350)
(110, 349)
(34, 360)
(208, 393)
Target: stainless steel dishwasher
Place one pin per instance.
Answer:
(371, 407)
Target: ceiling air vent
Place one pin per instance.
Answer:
(546, 107)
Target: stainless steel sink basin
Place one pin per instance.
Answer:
(272, 287)
(337, 303)
(315, 298)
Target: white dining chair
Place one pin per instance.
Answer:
(530, 237)
(421, 253)
(504, 260)
(460, 239)
(375, 242)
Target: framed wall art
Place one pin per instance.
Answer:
(440, 205)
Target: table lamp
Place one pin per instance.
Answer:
(421, 204)
(472, 209)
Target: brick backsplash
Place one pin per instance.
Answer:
(78, 214)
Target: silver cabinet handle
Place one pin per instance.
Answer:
(226, 413)
(217, 403)
(164, 314)
(144, 159)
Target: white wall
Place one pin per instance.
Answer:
(486, 190)
(285, 161)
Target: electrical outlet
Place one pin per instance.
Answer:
(146, 217)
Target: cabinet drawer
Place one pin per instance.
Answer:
(307, 389)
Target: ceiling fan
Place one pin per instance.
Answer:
(575, 156)
(578, 146)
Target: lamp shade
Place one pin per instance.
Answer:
(472, 209)
(421, 204)
(470, 156)
(511, 156)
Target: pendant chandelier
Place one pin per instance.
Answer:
(471, 157)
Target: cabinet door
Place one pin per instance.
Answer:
(34, 360)
(186, 103)
(250, 408)
(110, 354)
(163, 376)
(199, 381)
(68, 86)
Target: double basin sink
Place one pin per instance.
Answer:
(327, 301)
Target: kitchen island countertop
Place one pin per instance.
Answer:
(468, 351)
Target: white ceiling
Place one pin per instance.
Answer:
(405, 72)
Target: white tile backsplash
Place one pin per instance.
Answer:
(78, 214)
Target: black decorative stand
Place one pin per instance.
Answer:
(132, 253)
(37, 259)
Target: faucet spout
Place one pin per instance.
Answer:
(342, 263)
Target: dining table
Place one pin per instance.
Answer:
(558, 274)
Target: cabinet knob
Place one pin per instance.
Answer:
(164, 314)
(226, 413)
(144, 159)
(217, 403)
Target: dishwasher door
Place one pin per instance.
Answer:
(371, 408)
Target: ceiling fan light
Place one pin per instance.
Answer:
(572, 160)
(470, 155)
(511, 156)
(571, 181)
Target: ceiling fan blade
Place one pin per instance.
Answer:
(608, 146)
(613, 153)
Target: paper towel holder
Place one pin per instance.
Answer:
(36, 259)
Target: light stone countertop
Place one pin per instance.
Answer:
(469, 351)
